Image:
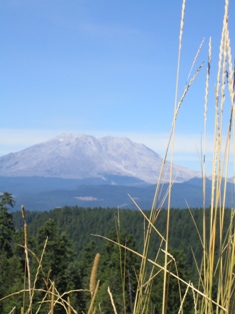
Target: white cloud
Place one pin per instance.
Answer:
(13, 140)
(103, 30)
(183, 143)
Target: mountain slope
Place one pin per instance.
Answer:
(82, 156)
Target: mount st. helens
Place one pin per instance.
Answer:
(81, 156)
(89, 172)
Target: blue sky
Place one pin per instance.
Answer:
(106, 68)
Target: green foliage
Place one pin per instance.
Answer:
(58, 261)
(118, 270)
(6, 223)
(175, 289)
(79, 223)
(11, 278)
(70, 252)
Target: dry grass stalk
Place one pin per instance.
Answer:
(112, 301)
(147, 219)
(48, 292)
(204, 160)
(161, 170)
(39, 264)
(121, 260)
(183, 300)
(53, 293)
(141, 282)
(206, 109)
(194, 301)
(38, 270)
(152, 214)
(69, 309)
(163, 268)
(13, 310)
(180, 47)
(139, 296)
(220, 267)
(93, 273)
(52, 298)
(91, 309)
(195, 58)
(27, 258)
(176, 108)
(60, 300)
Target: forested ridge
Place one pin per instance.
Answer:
(81, 224)
(72, 246)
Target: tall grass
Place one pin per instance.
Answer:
(215, 290)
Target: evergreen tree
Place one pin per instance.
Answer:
(58, 261)
(85, 267)
(6, 223)
(118, 272)
(86, 262)
(175, 290)
(11, 272)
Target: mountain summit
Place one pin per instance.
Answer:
(82, 156)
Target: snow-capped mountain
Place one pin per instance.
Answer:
(83, 156)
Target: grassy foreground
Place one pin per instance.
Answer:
(214, 292)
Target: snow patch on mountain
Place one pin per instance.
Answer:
(84, 156)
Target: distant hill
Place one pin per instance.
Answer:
(41, 194)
